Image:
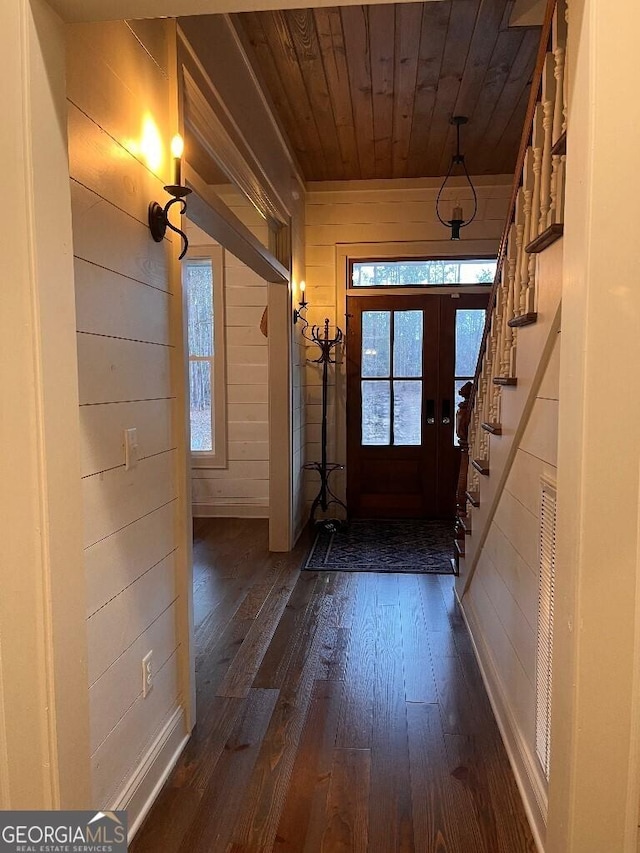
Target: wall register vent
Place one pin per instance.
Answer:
(544, 649)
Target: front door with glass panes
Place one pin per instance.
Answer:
(407, 356)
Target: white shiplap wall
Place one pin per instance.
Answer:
(503, 594)
(124, 299)
(241, 488)
(393, 213)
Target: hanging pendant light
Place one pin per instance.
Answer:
(457, 220)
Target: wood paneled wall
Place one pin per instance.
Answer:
(120, 114)
(373, 213)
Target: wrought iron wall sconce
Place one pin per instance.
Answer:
(302, 305)
(158, 215)
(457, 220)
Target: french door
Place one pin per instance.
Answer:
(402, 376)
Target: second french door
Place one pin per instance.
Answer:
(401, 369)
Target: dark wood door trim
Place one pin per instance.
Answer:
(436, 460)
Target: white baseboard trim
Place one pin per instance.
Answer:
(230, 511)
(534, 797)
(145, 783)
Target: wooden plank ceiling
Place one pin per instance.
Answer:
(368, 91)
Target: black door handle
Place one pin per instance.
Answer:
(446, 411)
(431, 411)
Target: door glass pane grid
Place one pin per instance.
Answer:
(376, 412)
(376, 344)
(407, 344)
(407, 412)
(392, 346)
(469, 329)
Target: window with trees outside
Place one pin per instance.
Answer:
(204, 290)
(469, 329)
(422, 272)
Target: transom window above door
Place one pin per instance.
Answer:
(412, 272)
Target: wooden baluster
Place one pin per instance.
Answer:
(565, 88)
(559, 45)
(463, 418)
(483, 452)
(474, 483)
(548, 105)
(509, 274)
(496, 325)
(559, 41)
(559, 210)
(519, 224)
(526, 281)
(537, 141)
(501, 320)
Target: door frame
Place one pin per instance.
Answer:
(346, 252)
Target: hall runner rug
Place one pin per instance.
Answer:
(412, 546)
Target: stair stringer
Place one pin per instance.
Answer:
(534, 347)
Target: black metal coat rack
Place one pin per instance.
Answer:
(327, 345)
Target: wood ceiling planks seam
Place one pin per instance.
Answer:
(368, 91)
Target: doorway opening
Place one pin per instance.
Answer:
(226, 304)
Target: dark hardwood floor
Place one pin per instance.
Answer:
(336, 713)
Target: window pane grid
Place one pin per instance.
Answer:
(200, 327)
(391, 378)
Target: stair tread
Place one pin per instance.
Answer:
(463, 528)
(546, 239)
(482, 466)
(527, 319)
(493, 427)
(560, 145)
(459, 545)
(505, 380)
(473, 498)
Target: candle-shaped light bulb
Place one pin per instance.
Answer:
(457, 213)
(303, 287)
(177, 150)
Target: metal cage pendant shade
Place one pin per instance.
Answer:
(457, 220)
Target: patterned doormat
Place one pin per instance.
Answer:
(411, 545)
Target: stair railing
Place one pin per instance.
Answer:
(534, 221)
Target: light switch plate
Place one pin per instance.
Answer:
(130, 448)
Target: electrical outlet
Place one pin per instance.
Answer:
(147, 674)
